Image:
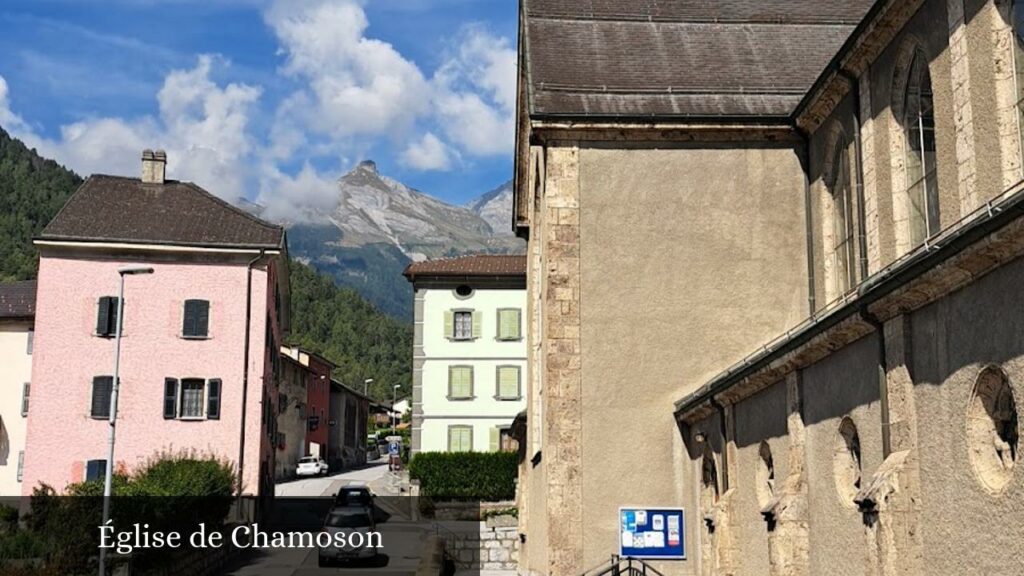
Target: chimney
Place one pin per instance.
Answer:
(154, 166)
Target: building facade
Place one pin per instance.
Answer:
(349, 417)
(793, 236)
(17, 319)
(469, 352)
(303, 402)
(201, 334)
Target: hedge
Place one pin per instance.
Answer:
(466, 476)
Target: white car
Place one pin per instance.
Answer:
(348, 520)
(311, 466)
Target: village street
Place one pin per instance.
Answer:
(300, 507)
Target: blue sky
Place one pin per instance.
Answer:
(270, 99)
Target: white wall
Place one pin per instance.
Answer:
(484, 354)
(17, 370)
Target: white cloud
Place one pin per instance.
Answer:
(297, 198)
(8, 119)
(428, 153)
(357, 85)
(202, 126)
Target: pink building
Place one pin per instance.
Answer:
(219, 289)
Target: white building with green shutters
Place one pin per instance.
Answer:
(469, 352)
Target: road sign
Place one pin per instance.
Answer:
(393, 448)
(652, 533)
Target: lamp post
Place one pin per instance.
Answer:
(394, 400)
(108, 480)
(366, 385)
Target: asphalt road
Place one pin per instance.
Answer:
(300, 507)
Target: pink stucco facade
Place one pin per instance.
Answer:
(62, 435)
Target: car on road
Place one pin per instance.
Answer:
(371, 452)
(311, 466)
(347, 520)
(354, 495)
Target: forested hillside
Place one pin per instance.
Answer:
(349, 331)
(32, 189)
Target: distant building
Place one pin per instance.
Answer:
(349, 414)
(200, 352)
(469, 352)
(303, 400)
(17, 315)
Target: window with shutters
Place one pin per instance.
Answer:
(460, 382)
(196, 323)
(26, 389)
(21, 465)
(102, 388)
(95, 470)
(508, 383)
(192, 397)
(460, 438)
(31, 341)
(509, 320)
(106, 316)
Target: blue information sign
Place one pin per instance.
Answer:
(652, 533)
(393, 448)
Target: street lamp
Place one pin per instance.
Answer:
(107, 482)
(366, 385)
(394, 400)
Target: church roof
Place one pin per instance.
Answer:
(679, 58)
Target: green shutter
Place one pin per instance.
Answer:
(449, 324)
(460, 381)
(509, 320)
(477, 324)
(495, 439)
(508, 382)
(517, 322)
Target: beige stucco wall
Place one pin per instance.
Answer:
(846, 385)
(965, 528)
(16, 372)
(675, 245)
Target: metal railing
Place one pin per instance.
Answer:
(619, 566)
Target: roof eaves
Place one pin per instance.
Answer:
(834, 65)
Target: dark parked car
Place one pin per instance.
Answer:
(354, 495)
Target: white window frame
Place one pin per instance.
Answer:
(202, 401)
(455, 324)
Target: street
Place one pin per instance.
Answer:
(301, 505)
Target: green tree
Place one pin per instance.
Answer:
(32, 190)
(340, 325)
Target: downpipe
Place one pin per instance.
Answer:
(245, 374)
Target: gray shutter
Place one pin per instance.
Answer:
(213, 399)
(102, 387)
(203, 318)
(197, 318)
(25, 391)
(103, 316)
(188, 327)
(170, 398)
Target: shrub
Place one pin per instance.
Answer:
(466, 476)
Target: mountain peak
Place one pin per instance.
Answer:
(368, 165)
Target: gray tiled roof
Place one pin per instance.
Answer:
(18, 299)
(118, 209)
(641, 58)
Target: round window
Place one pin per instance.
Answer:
(992, 430)
(464, 291)
(847, 465)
